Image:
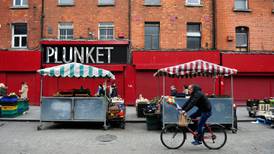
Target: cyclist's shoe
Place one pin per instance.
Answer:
(196, 142)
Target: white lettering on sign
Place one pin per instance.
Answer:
(64, 55)
(79, 54)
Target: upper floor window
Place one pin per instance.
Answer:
(19, 35)
(106, 31)
(66, 2)
(65, 31)
(152, 2)
(106, 2)
(193, 2)
(20, 3)
(241, 5)
(152, 32)
(193, 36)
(242, 38)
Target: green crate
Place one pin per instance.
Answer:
(10, 113)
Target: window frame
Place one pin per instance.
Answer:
(194, 34)
(66, 26)
(246, 32)
(242, 9)
(20, 36)
(107, 28)
(106, 4)
(21, 3)
(151, 46)
(147, 3)
(193, 4)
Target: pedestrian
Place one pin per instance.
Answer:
(198, 99)
(114, 91)
(24, 90)
(100, 90)
(3, 90)
(185, 91)
(173, 91)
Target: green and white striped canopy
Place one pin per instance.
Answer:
(76, 70)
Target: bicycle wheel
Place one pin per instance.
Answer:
(173, 137)
(214, 136)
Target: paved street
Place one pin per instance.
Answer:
(23, 138)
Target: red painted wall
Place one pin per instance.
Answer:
(20, 61)
(250, 63)
(159, 59)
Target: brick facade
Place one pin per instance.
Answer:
(259, 19)
(173, 16)
(29, 15)
(85, 16)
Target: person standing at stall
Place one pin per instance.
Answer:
(100, 91)
(198, 99)
(24, 90)
(114, 91)
(173, 90)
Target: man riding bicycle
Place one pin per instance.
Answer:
(198, 99)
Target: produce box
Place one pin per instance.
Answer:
(140, 108)
(153, 121)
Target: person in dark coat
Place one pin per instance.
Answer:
(100, 91)
(173, 91)
(114, 91)
(198, 99)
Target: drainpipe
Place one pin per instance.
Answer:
(129, 32)
(42, 20)
(214, 27)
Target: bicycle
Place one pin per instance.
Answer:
(173, 136)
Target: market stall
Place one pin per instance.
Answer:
(74, 108)
(222, 111)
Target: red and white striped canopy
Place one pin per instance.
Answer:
(195, 68)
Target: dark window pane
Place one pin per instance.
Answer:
(16, 41)
(24, 41)
(25, 2)
(20, 29)
(193, 27)
(193, 42)
(152, 31)
(17, 2)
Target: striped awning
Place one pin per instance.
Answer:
(196, 68)
(76, 70)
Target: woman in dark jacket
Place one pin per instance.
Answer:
(198, 99)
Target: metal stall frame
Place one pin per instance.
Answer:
(193, 68)
(72, 70)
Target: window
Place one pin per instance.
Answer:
(242, 38)
(19, 35)
(65, 31)
(193, 36)
(20, 3)
(193, 2)
(106, 2)
(152, 31)
(152, 2)
(241, 5)
(106, 31)
(66, 2)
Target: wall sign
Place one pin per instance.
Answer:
(86, 54)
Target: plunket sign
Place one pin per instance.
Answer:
(85, 54)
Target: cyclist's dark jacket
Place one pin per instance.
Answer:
(197, 98)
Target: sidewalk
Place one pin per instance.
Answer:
(33, 114)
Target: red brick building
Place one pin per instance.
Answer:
(134, 39)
